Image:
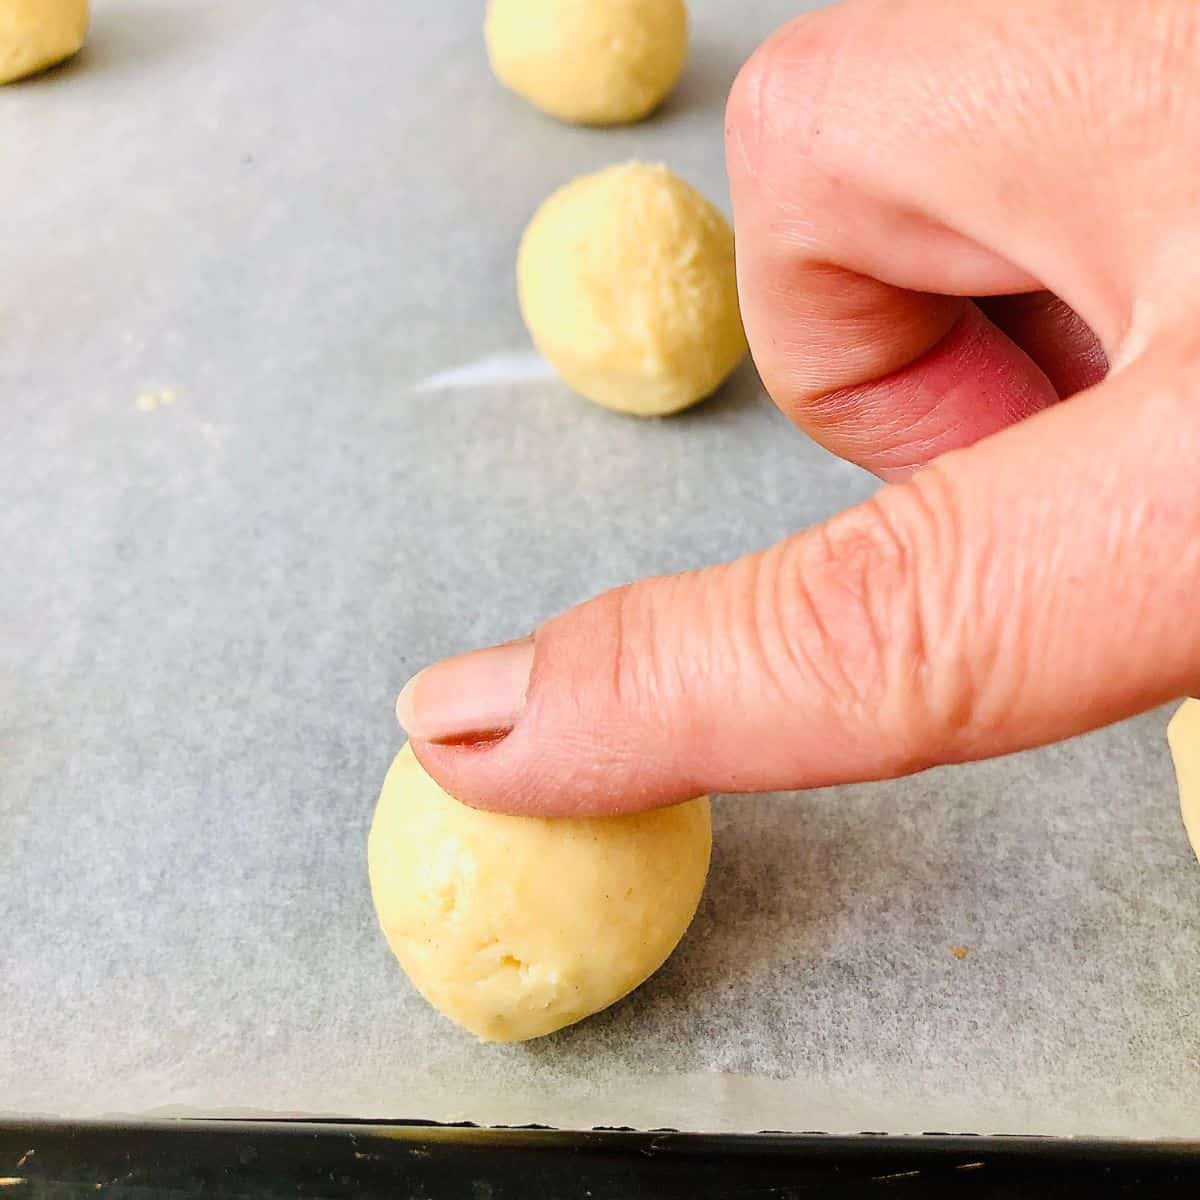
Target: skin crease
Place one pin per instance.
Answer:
(900, 169)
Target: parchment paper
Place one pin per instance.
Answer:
(292, 215)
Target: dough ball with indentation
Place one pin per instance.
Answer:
(35, 34)
(517, 926)
(627, 284)
(1184, 736)
(592, 62)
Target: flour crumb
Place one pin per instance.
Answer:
(149, 401)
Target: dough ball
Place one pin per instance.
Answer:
(1184, 737)
(627, 284)
(517, 926)
(593, 62)
(35, 34)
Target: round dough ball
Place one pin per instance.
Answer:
(1184, 736)
(593, 62)
(517, 926)
(627, 283)
(35, 34)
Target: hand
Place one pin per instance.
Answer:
(1032, 568)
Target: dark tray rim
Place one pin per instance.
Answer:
(275, 1158)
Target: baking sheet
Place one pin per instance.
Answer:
(300, 220)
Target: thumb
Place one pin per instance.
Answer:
(1036, 585)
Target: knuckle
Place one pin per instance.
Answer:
(778, 93)
(784, 641)
(653, 662)
(823, 620)
(744, 110)
(840, 625)
(633, 648)
(877, 616)
(935, 699)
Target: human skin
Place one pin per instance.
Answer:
(952, 216)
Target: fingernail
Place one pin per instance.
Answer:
(468, 698)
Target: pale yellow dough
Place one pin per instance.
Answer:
(627, 284)
(1184, 736)
(592, 62)
(517, 926)
(35, 34)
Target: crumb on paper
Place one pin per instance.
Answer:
(149, 401)
(960, 952)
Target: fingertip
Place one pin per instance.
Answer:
(470, 697)
(405, 705)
